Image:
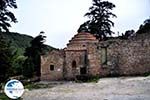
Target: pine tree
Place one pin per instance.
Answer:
(34, 51)
(6, 16)
(99, 22)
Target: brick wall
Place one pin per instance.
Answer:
(123, 57)
(127, 57)
(71, 56)
(56, 59)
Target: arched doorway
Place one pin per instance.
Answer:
(74, 66)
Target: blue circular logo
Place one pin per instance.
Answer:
(14, 89)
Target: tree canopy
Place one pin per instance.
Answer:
(5, 61)
(6, 16)
(33, 56)
(99, 22)
(145, 27)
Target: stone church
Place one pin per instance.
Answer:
(85, 55)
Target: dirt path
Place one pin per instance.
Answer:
(137, 88)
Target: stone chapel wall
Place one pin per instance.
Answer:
(114, 57)
(52, 65)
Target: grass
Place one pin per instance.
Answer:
(4, 97)
(146, 74)
(93, 79)
(29, 86)
(32, 86)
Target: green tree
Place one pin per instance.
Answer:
(145, 27)
(17, 62)
(34, 51)
(147, 21)
(28, 68)
(6, 16)
(99, 22)
(128, 34)
(5, 61)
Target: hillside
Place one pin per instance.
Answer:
(20, 41)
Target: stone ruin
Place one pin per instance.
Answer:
(85, 55)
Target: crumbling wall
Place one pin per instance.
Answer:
(127, 57)
(114, 57)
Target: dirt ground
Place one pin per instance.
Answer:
(123, 88)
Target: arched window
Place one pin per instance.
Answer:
(74, 65)
(104, 55)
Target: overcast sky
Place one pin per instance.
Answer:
(60, 19)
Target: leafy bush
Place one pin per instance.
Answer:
(87, 78)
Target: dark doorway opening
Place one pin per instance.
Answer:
(74, 65)
(83, 70)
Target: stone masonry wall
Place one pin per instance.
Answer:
(71, 56)
(55, 58)
(127, 57)
(93, 59)
(123, 57)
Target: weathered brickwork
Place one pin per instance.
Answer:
(127, 57)
(84, 55)
(80, 47)
(54, 59)
(74, 61)
(93, 59)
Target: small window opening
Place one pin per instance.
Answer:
(51, 67)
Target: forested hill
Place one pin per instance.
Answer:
(20, 41)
